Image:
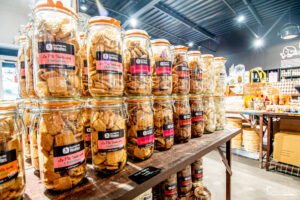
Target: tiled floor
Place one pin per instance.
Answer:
(248, 181)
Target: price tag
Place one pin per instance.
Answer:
(144, 174)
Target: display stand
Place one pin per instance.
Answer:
(270, 133)
(119, 186)
(253, 122)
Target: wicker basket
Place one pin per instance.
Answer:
(236, 142)
(250, 140)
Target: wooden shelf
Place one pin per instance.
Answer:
(290, 76)
(119, 186)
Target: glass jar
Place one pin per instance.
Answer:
(29, 63)
(84, 66)
(104, 51)
(197, 176)
(24, 111)
(12, 176)
(208, 74)
(140, 137)
(33, 130)
(138, 68)
(61, 144)
(181, 71)
(86, 118)
(108, 135)
(209, 114)
(57, 69)
(182, 118)
(184, 179)
(21, 68)
(220, 113)
(163, 122)
(196, 82)
(220, 76)
(169, 188)
(162, 72)
(197, 115)
(203, 194)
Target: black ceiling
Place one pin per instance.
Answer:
(198, 21)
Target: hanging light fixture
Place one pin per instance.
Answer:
(289, 30)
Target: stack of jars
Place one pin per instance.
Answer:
(186, 184)
(219, 91)
(196, 100)
(181, 89)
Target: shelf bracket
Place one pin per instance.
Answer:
(224, 160)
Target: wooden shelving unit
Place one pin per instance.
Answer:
(119, 186)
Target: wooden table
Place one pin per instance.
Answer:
(252, 122)
(119, 186)
(270, 116)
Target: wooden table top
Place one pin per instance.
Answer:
(119, 186)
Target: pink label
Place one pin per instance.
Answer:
(168, 133)
(85, 71)
(108, 65)
(140, 69)
(87, 137)
(183, 74)
(163, 70)
(111, 144)
(22, 73)
(145, 140)
(69, 160)
(52, 58)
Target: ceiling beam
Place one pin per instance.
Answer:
(235, 14)
(146, 7)
(253, 12)
(181, 18)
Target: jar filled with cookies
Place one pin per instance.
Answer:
(140, 136)
(34, 119)
(182, 118)
(196, 82)
(12, 177)
(104, 51)
(108, 135)
(220, 113)
(162, 72)
(57, 69)
(220, 76)
(209, 114)
(169, 188)
(184, 180)
(196, 105)
(197, 176)
(137, 63)
(208, 74)
(86, 118)
(61, 144)
(29, 62)
(180, 71)
(84, 66)
(163, 122)
(21, 67)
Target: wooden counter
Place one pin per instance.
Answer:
(119, 186)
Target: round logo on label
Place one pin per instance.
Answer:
(66, 150)
(49, 47)
(106, 135)
(105, 56)
(138, 61)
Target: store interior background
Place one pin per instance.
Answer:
(236, 44)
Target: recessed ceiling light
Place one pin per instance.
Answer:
(83, 7)
(133, 22)
(258, 42)
(191, 44)
(241, 18)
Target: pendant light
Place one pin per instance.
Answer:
(289, 30)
